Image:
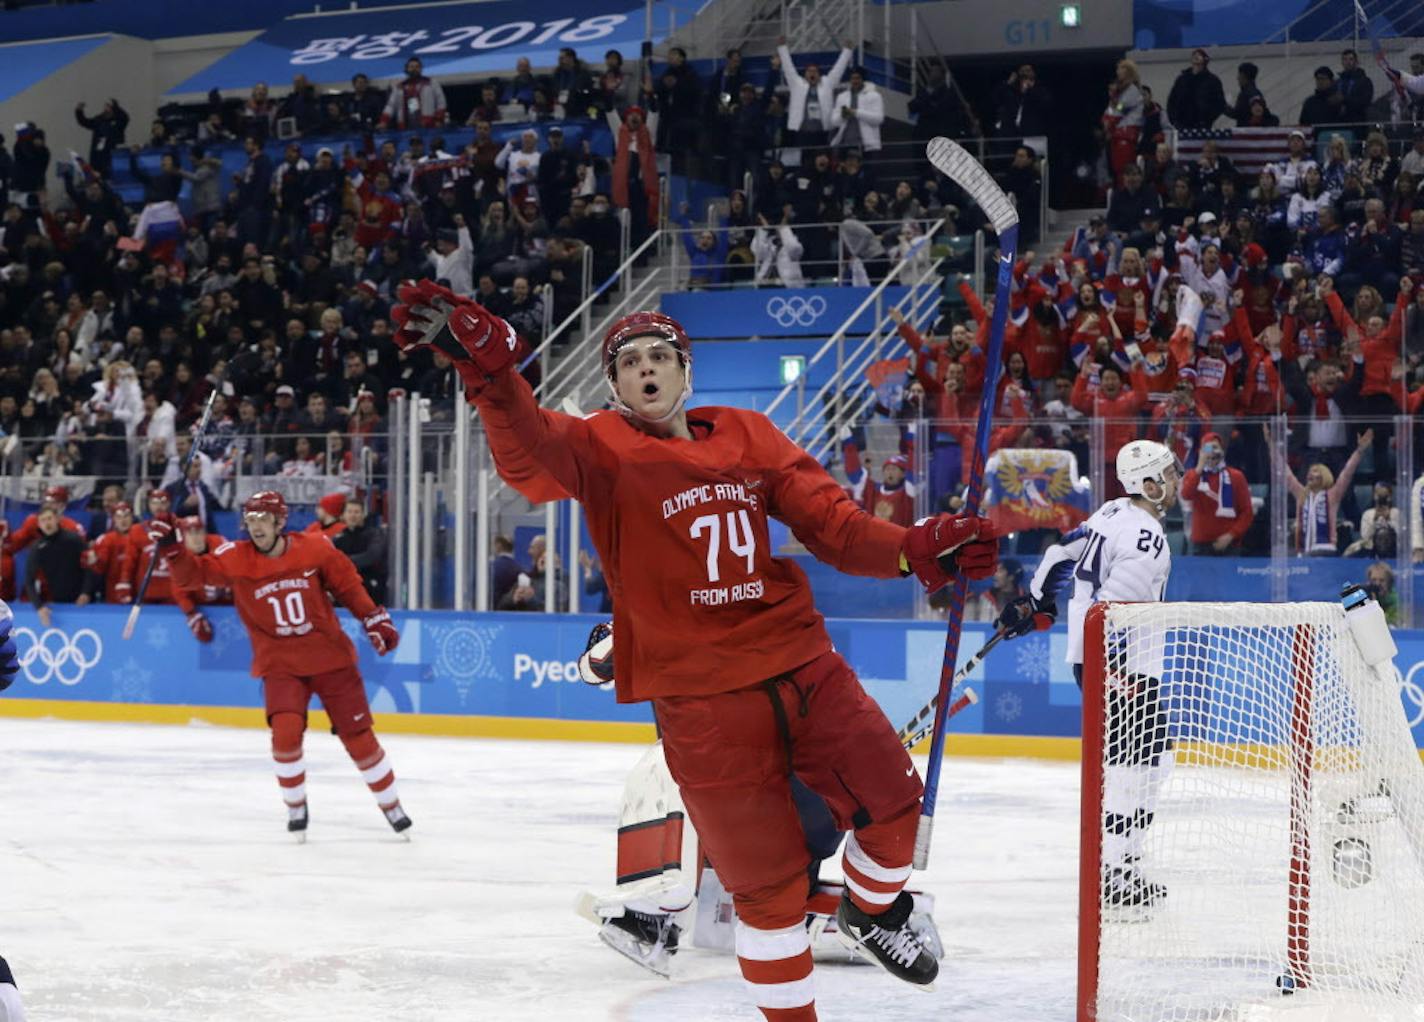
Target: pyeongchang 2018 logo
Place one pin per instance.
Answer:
(796, 311)
(55, 654)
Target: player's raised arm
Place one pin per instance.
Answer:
(483, 349)
(190, 570)
(836, 530)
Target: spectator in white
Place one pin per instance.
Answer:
(866, 251)
(1413, 161)
(858, 112)
(521, 167)
(1380, 525)
(1317, 501)
(156, 425)
(810, 101)
(914, 247)
(453, 260)
(1303, 213)
(119, 392)
(415, 102)
(1291, 171)
(97, 322)
(1207, 278)
(780, 249)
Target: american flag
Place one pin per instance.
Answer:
(1250, 149)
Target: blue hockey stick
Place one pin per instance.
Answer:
(964, 170)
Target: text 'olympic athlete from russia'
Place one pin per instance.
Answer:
(719, 634)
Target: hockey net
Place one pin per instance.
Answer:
(1253, 820)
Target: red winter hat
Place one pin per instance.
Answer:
(1254, 255)
(1210, 437)
(898, 460)
(332, 504)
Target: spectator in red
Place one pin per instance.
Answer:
(415, 102)
(1122, 120)
(1181, 419)
(1215, 378)
(893, 498)
(1382, 391)
(381, 208)
(1261, 389)
(1128, 292)
(635, 169)
(1117, 406)
(328, 515)
(1220, 502)
(1041, 340)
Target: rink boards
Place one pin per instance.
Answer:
(514, 675)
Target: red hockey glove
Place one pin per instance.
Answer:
(164, 532)
(380, 631)
(200, 626)
(1026, 614)
(463, 329)
(938, 548)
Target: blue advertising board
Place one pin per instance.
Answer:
(774, 312)
(449, 39)
(457, 673)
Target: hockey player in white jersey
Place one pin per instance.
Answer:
(1119, 554)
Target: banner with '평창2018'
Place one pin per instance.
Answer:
(450, 39)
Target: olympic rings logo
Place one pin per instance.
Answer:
(796, 311)
(55, 654)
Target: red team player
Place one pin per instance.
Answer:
(56, 497)
(111, 554)
(720, 635)
(162, 587)
(280, 582)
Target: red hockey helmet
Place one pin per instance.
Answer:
(123, 507)
(266, 502)
(644, 324)
(56, 495)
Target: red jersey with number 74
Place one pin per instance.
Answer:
(700, 605)
(283, 600)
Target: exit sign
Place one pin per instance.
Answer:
(1070, 15)
(792, 367)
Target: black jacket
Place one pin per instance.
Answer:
(1196, 100)
(366, 547)
(57, 559)
(107, 135)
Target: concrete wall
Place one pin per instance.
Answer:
(1001, 27)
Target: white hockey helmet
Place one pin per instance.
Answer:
(1141, 460)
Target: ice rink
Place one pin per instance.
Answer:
(146, 874)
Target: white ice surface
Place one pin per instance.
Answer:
(146, 874)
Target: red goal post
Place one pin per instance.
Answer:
(1284, 826)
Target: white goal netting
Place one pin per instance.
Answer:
(1259, 805)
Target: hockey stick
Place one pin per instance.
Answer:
(914, 732)
(951, 160)
(202, 427)
(966, 699)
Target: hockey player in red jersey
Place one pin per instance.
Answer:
(720, 635)
(161, 587)
(109, 556)
(199, 542)
(280, 581)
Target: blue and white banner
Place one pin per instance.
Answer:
(774, 312)
(525, 666)
(462, 38)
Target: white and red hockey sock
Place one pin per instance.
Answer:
(291, 768)
(776, 965)
(375, 767)
(877, 861)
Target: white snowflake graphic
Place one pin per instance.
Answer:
(132, 683)
(227, 629)
(1031, 661)
(1008, 707)
(157, 636)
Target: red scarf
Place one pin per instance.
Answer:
(647, 164)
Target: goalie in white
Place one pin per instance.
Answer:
(664, 892)
(1120, 553)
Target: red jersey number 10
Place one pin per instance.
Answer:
(296, 610)
(740, 540)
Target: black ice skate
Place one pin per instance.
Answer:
(643, 938)
(399, 821)
(1125, 888)
(297, 822)
(888, 940)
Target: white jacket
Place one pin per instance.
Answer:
(786, 256)
(869, 111)
(798, 88)
(126, 402)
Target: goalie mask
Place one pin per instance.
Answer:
(1142, 461)
(647, 326)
